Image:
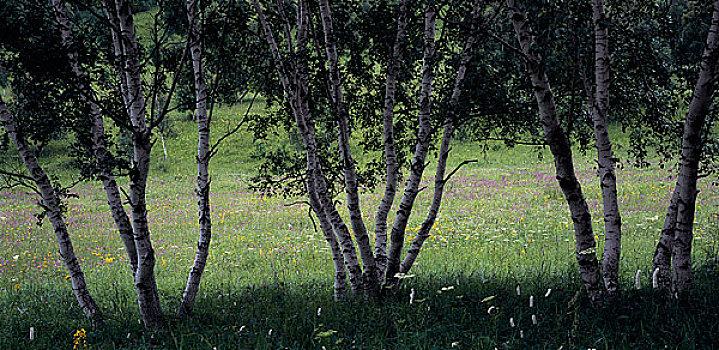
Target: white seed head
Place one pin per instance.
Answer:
(655, 278)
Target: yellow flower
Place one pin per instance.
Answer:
(17, 286)
(523, 252)
(109, 260)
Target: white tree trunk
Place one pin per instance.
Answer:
(371, 274)
(390, 153)
(691, 153)
(203, 160)
(420, 154)
(663, 254)
(120, 14)
(607, 176)
(562, 152)
(51, 204)
(102, 157)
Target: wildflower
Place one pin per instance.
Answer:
(319, 311)
(411, 296)
(78, 339)
(17, 286)
(511, 322)
(534, 320)
(269, 334)
(531, 301)
(637, 281)
(109, 260)
(549, 291)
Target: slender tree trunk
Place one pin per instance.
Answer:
(371, 274)
(203, 160)
(297, 95)
(562, 152)
(662, 262)
(420, 153)
(145, 283)
(390, 153)
(51, 203)
(691, 153)
(607, 177)
(449, 124)
(102, 156)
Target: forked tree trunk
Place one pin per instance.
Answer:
(370, 276)
(294, 83)
(102, 156)
(449, 124)
(424, 136)
(562, 152)
(607, 176)
(691, 153)
(120, 14)
(203, 160)
(51, 204)
(390, 153)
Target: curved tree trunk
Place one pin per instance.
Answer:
(607, 177)
(662, 262)
(390, 153)
(562, 152)
(691, 153)
(102, 156)
(51, 203)
(203, 160)
(424, 136)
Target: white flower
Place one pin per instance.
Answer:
(411, 296)
(521, 334)
(534, 320)
(637, 281)
(319, 311)
(531, 301)
(269, 333)
(511, 321)
(549, 291)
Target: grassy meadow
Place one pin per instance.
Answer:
(503, 236)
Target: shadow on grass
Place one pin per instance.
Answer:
(448, 311)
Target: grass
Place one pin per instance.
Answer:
(268, 284)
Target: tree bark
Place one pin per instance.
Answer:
(691, 153)
(296, 92)
(390, 152)
(449, 125)
(203, 160)
(51, 204)
(663, 254)
(102, 156)
(607, 176)
(370, 275)
(420, 154)
(562, 152)
(120, 14)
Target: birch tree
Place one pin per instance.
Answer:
(51, 204)
(677, 234)
(561, 151)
